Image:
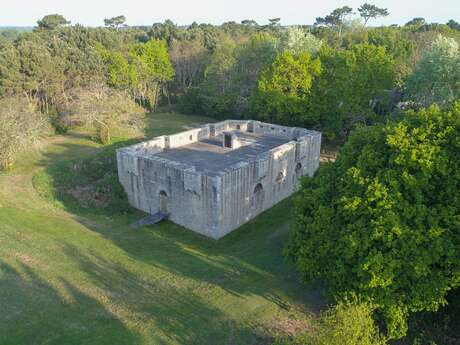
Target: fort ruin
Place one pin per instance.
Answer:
(217, 177)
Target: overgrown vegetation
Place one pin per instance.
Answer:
(85, 184)
(21, 124)
(101, 108)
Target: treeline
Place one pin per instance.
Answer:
(77, 76)
(330, 76)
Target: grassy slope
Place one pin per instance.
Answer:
(72, 276)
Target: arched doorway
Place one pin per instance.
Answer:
(163, 202)
(258, 197)
(298, 171)
(297, 174)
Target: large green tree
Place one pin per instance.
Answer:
(284, 87)
(143, 69)
(230, 77)
(436, 77)
(10, 70)
(189, 58)
(383, 221)
(398, 45)
(353, 86)
(153, 69)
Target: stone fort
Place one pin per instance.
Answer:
(217, 177)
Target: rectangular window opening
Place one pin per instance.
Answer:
(228, 140)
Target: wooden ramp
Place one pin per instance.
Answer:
(150, 220)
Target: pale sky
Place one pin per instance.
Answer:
(146, 12)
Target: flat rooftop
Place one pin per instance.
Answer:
(210, 157)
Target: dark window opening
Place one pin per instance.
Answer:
(298, 170)
(191, 137)
(258, 198)
(228, 140)
(238, 127)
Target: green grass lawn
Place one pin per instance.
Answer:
(74, 273)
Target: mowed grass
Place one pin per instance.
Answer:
(76, 274)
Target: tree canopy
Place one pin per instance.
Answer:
(297, 40)
(382, 221)
(115, 22)
(453, 24)
(52, 21)
(436, 77)
(284, 86)
(417, 21)
(336, 19)
(368, 11)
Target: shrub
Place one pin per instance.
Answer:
(190, 102)
(89, 184)
(20, 124)
(348, 323)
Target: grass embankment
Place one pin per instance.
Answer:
(72, 271)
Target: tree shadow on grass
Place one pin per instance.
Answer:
(34, 311)
(174, 313)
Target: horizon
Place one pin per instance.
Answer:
(143, 13)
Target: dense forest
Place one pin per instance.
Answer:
(380, 226)
(332, 76)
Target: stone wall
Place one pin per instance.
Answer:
(216, 205)
(187, 137)
(191, 196)
(256, 186)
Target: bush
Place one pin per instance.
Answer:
(348, 324)
(20, 124)
(190, 102)
(88, 185)
(383, 220)
(345, 324)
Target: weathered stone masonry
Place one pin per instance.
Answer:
(215, 178)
